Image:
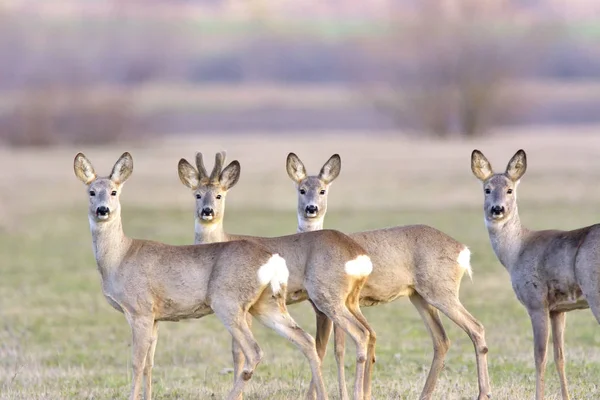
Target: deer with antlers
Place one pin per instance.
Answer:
(326, 267)
(552, 272)
(151, 282)
(417, 261)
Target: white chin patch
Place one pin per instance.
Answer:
(311, 215)
(207, 217)
(102, 217)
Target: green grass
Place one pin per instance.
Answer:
(59, 338)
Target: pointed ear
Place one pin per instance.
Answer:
(84, 169)
(480, 166)
(331, 169)
(517, 166)
(202, 174)
(188, 175)
(230, 175)
(122, 169)
(295, 168)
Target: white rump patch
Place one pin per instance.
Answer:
(275, 272)
(464, 260)
(361, 266)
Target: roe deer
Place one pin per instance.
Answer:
(151, 282)
(326, 267)
(551, 271)
(417, 261)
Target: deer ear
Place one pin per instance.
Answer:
(480, 166)
(517, 166)
(331, 169)
(230, 175)
(122, 169)
(295, 168)
(83, 169)
(188, 175)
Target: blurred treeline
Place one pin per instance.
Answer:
(99, 71)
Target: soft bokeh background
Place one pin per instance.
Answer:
(402, 90)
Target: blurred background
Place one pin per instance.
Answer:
(132, 69)
(403, 90)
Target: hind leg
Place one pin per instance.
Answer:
(272, 312)
(238, 355)
(454, 310)
(345, 320)
(235, 320)
(441, 343)
(354, 307)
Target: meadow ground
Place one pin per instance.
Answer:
(60, 339)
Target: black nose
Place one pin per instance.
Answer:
(102, 210)
(208, 211)
(312, 209)
(497, 210)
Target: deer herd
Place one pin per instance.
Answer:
(238, 277)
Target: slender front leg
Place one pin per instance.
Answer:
(141, 330)
(324, 326)
(539, 323)
(150, 362)
(558, 321)
(339, 348)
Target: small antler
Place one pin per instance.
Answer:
(219, 161)
(202, 174)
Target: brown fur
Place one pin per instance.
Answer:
(151, 282)
(316, 261)
(552, 271)
(417, 261)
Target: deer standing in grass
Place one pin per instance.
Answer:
(151, 282)
(326, 267)
(415, 261)
(552, 271)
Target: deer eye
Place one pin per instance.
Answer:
(488, 191)
(302, 191)
(92, 193)
(198, 196)
(113, 193)
(509, 191)
(218, 197)
(322, 192)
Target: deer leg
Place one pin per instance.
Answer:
(354, 307)
(558, 321)
(150, 362)
(238, 356)
(454, 310)
(273, 314)
(339, 346)
(539, 323)
(234, 318)
(344, 319)
(141, 330)
(441, 343)
(324, 326)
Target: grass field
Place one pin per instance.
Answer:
(59, 338)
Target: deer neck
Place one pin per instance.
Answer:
(309, 225)
(507, 238)
(209, 233)
(109, 243)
